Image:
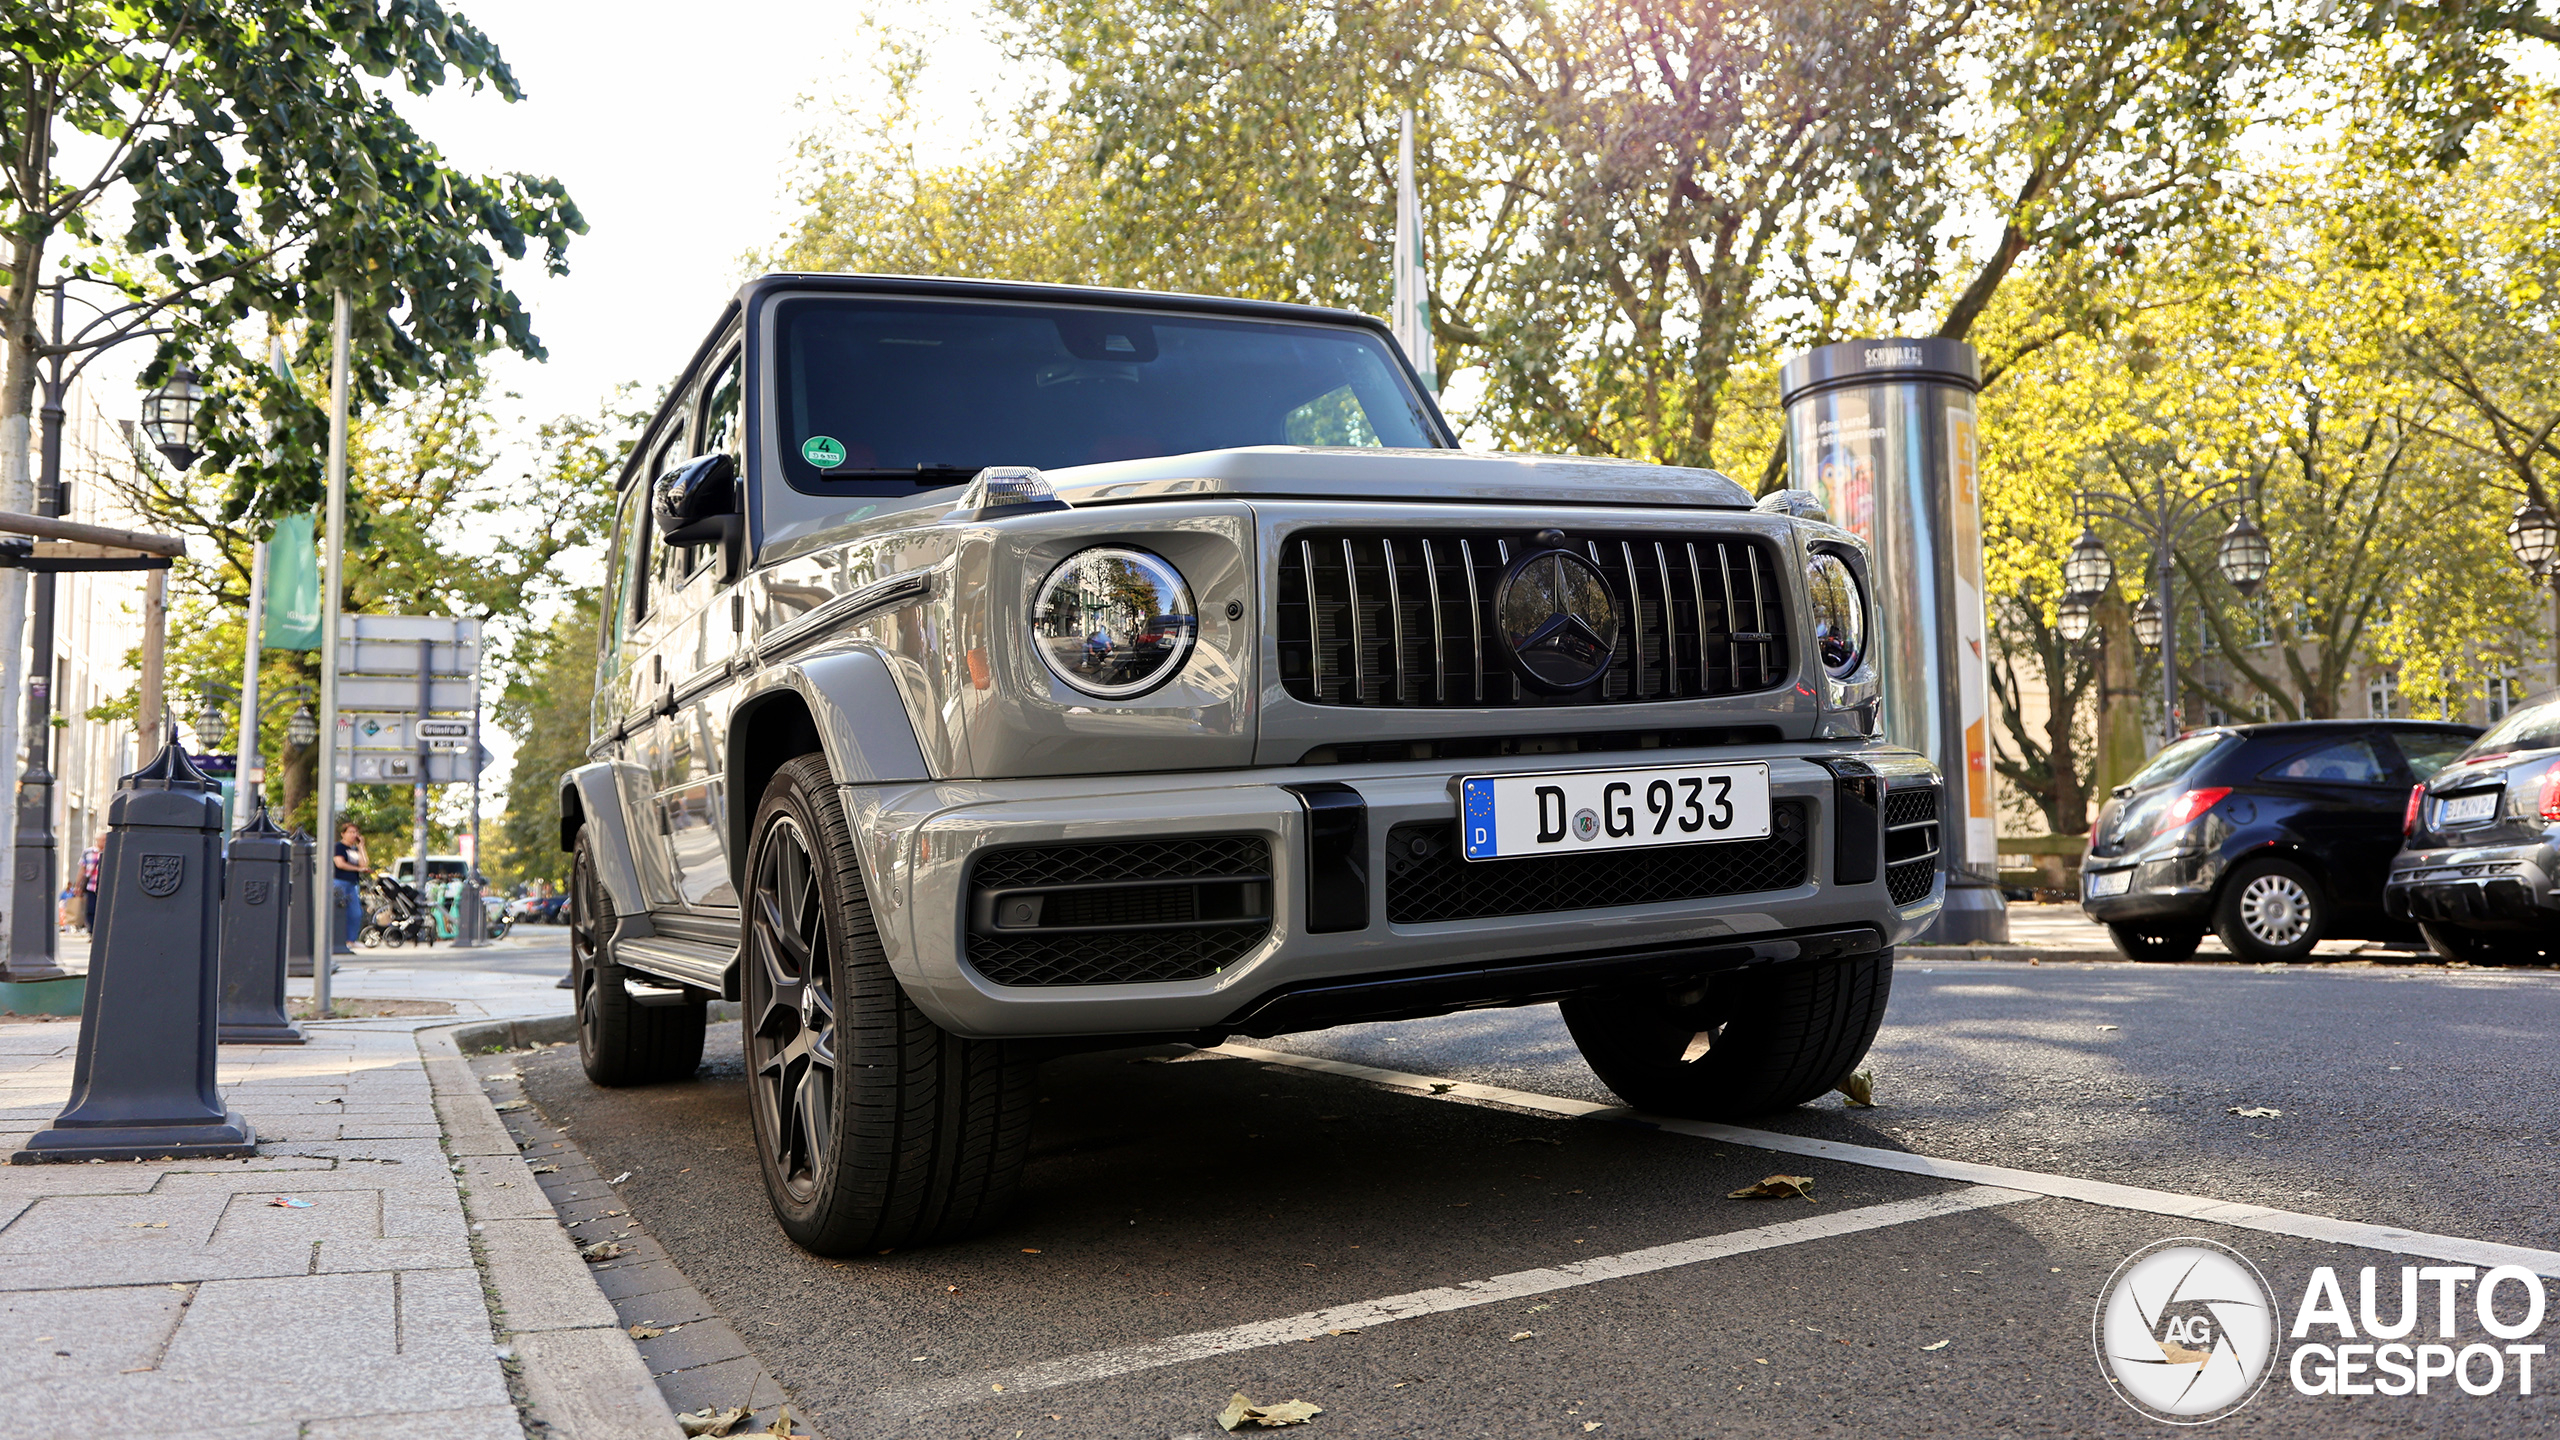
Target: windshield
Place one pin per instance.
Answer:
(882, 396)
(2535, 727)
(2176, 760)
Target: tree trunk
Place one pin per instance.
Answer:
(2121, 748)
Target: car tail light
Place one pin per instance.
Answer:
(2189, 805)
(2550, 806)
(2417, 797)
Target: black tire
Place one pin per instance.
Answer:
(1781, 1038)
(2480, 947)
(620, 1040)
(875, 1128)
(2271, 912)
(2165, 945)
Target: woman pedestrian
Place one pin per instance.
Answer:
(351, 862)
(89, 859)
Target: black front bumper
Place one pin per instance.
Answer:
(2176, 889)
(2507, 889)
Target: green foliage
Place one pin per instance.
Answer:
(545, 706)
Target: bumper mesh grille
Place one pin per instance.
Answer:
(1406, 619)
(1910, 842)
(1428, 879)
(1171, 950)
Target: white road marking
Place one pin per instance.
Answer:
(1363, 1314)
(2089, 1192)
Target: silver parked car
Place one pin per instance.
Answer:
(995, 671)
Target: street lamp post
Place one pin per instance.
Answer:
(31, 912)
(2164, 518)
(2535, 537)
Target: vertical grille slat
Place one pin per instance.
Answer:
(1378, 608)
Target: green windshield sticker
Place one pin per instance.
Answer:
(822, 451)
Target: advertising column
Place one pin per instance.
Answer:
(1883, 432)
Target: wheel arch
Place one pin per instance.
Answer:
(591, 800)
(844, 705)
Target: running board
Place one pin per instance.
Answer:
(694, 963)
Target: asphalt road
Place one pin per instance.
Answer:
(1172, 1193)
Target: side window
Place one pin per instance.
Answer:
(2347, 762)
(671, 563)
(626, 581)
(721, 431)
(1333, 418)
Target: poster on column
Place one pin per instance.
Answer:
(1973, 679)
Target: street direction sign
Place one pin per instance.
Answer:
(382, 767)
(383, 692)
(445, 729)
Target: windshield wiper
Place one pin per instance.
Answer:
(923, 474)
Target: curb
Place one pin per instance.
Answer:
(2008, 952)
(582, 1377)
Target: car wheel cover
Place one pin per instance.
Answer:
(2276, 911)
(791, 1034)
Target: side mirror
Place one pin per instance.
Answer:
(698, 501)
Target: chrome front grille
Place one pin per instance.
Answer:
(1406, 619)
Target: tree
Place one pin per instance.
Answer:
(546, 705)
(258, 167)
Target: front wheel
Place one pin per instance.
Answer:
(1758, 1042)
(2167, 945)
(2271, 912)
(875, 1128)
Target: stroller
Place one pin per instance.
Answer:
(397, 916)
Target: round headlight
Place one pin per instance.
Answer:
(1839, 614)
(1114, 622)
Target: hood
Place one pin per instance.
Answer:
(1461, 476)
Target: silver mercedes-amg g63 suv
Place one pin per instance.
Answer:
(995, 671)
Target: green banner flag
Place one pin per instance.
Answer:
(293, 586)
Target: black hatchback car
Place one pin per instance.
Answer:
(2481, 870)
(2275, 837)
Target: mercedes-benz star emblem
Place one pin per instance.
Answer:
(1558, 619)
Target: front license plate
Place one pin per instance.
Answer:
(1508, 816)
(2463, 809)
(2112, 882)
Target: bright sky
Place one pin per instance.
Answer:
(674, 128)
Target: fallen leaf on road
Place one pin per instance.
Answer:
(1028, 1251)
(707, 1421)
(1699, 1045)
(618, 1179)
(1776, 1187)
(283, 1203)
(1590, 1425)
(1241, 1412)
(2110, 1027)
(2177, 1354)
(646, 1332)
(148, 1225)
(546, 1169)
(1859, 1089)
(511, 1106)
(782, 1424)
(1524, 1335)
(1941, 1345)
(2255, 1112)
(602, 1250)
(1437, 1088)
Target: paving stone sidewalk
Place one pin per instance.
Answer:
(180, 1298)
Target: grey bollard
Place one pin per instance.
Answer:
(257, 892)
(142, 1076)
(297, 947)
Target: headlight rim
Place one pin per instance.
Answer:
(1186, 642)
(1860, 613)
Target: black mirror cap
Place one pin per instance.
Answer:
(703, 489)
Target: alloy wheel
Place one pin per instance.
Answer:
(791, 1007)
(2275, 910)
(584, 940)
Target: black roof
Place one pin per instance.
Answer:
(2280, 729)
(1018, 290)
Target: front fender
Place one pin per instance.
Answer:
(843, 703)
(593, 797)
